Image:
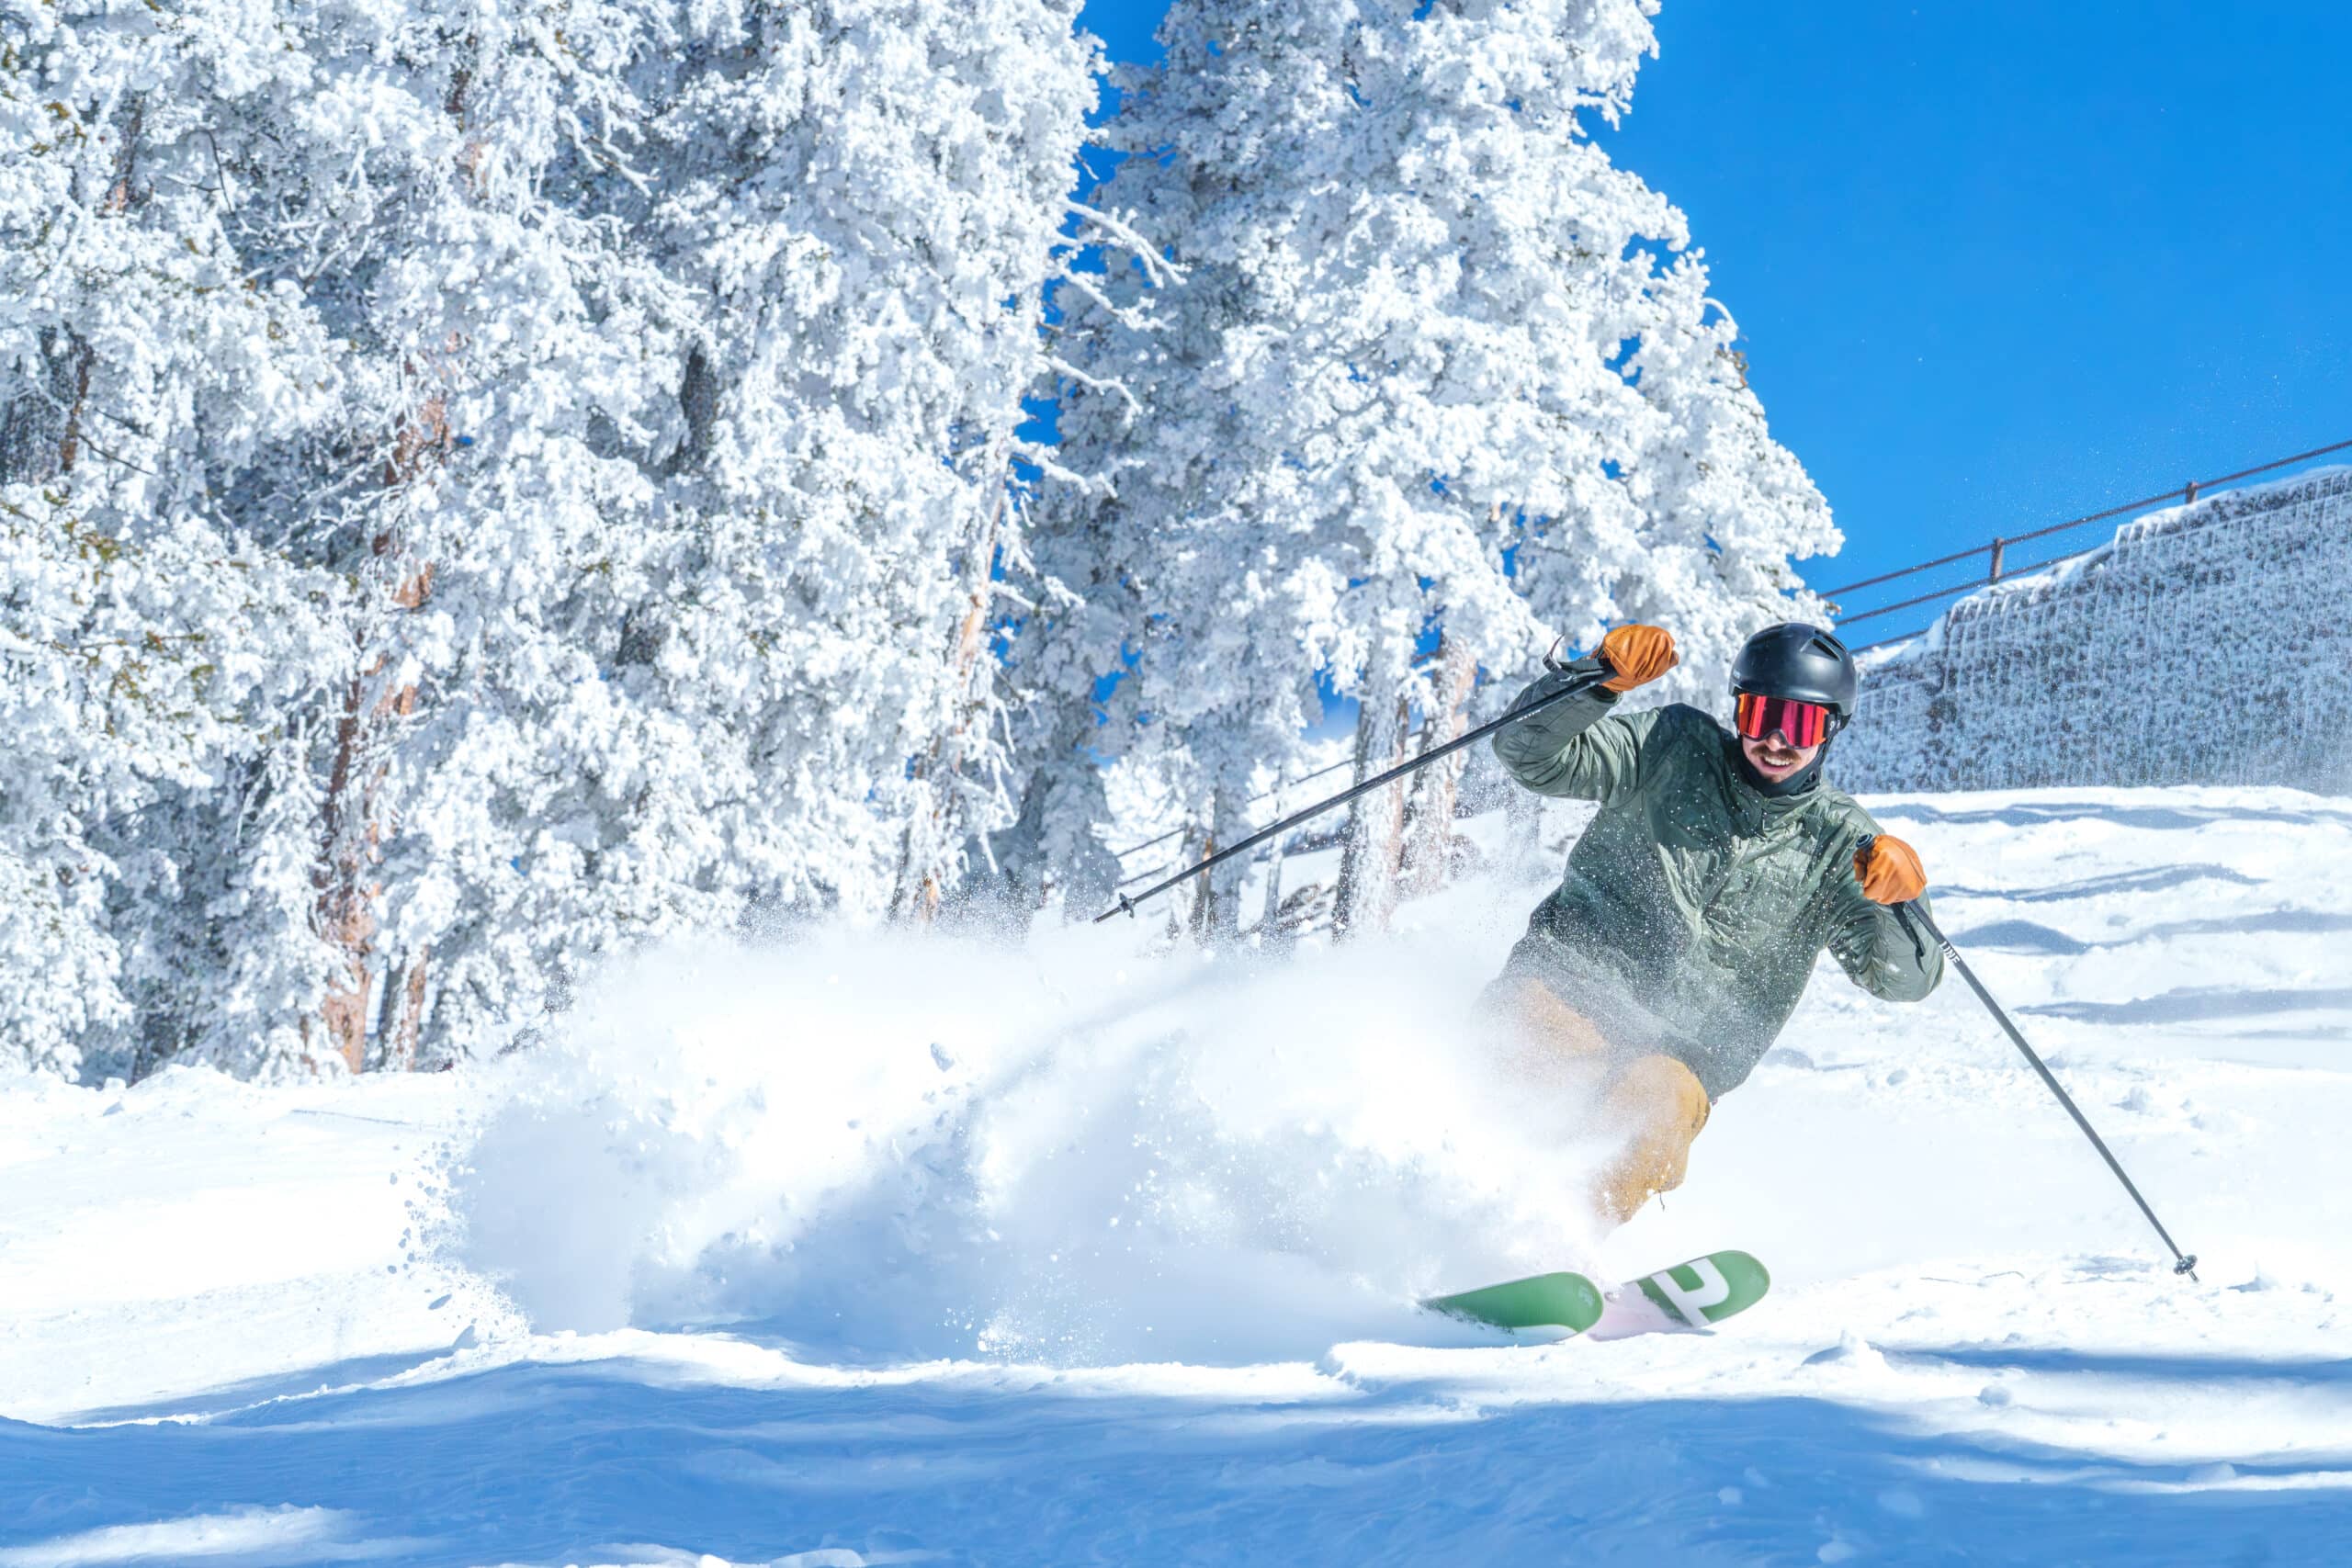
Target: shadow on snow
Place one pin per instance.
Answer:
(2157, 879)
(541, 1462)
(2196, 1003)
(2031, 937)
(2028, 814)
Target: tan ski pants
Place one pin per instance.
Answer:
(1655, 1099)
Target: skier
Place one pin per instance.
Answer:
(1693, 907)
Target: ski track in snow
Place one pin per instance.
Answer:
(808, 1257)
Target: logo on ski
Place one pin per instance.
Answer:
(1697, 1294)
(1691, 1291)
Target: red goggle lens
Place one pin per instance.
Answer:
(1805, 724)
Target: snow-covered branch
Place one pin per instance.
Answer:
(1119, 231)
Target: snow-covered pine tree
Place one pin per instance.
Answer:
(703, 355)
(401, 173)
(644, 384)
(861, 200)
(1438, 363)
(149, 649)
(484, 780)
(134, 669)
(1194, 559)
(1429, 849)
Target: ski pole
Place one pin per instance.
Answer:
(1575, 688)
(2184, 1263)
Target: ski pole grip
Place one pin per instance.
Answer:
(1902, 910)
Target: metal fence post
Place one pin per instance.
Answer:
(1999, 545)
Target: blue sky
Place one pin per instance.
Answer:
(1999, 263)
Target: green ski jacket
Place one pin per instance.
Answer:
(1694, 905)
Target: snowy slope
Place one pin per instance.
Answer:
(863, 1252)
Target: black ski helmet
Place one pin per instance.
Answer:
(1798, 662)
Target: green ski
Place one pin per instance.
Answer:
(1544, 1300)
(1687, 1296)
(1694, 1295)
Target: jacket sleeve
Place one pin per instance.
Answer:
(1576, 748)
(1875, 950)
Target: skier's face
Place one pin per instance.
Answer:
(1775, 758)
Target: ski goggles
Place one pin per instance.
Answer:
(1805, 724)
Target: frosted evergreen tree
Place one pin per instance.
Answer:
(407, 174)
(698, 487)
(133, 671)
(621, 403)
(1438, 363)
(150, 648)
(861, 200)
(753, 470)
(483, 772)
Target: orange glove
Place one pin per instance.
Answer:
(1889, 871)
(1638, 654)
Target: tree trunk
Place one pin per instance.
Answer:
(121, 192)
(1374, 845)
(1271, 935)
(1186, 898)
(403, 1038)
(1430, 826)
(346, 893)
(40, 431)
(69, 446)
(1203, 921)
(68, 356)
(353, 824)
(353, 828)
(1220, 922)
(936, 824)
